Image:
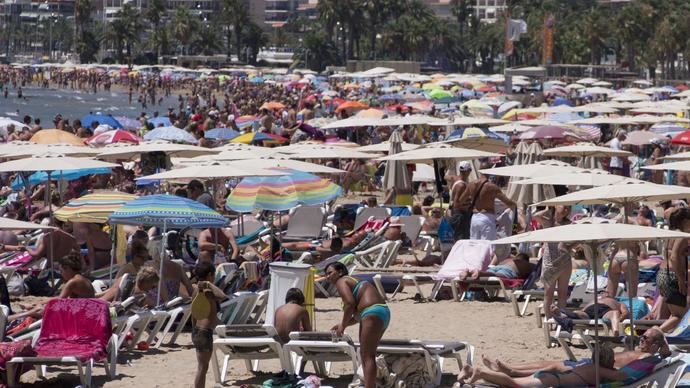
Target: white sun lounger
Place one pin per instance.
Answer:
(250, 343)
(434, 353)
(322, 349)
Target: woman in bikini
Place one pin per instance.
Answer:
(363, 304)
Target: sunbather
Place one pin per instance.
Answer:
(511, 268)
(608, 309)
(292, 316)
(671, 278)
(651, 342)
(139, 256)
(583, 375)
(363, 304)
(214, 241)
(55, 244)
(322, 249)
(76, 286)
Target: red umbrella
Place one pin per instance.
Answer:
(681, 87)
(547, 132)
(682, 138)
(116, 136)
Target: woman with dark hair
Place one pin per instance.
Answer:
(672, 276)
(361, 303)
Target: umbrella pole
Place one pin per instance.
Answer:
(631, 344)
(162, 257)
(439, 184)
(591, 252)
(50, 240)
(113, 250)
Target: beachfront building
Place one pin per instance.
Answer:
(489, 10)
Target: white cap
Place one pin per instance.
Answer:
(464, 166)
(231, 117)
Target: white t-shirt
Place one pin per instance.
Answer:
(616, 161)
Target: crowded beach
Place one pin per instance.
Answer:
(259, 227)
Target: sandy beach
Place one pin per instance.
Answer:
(490, 326)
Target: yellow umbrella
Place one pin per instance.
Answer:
(309, 297)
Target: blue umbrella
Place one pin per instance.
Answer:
(68, 175)
(87, 120)
(561, 101)
(463, 133)
(167, 212)
(170, 134)
(221, 134)
(391, 97)
(256, 80)
(160, 120)
(128, 123)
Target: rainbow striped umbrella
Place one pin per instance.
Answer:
(255, 137)
(282, 192)
(168, 211)
(94, 208)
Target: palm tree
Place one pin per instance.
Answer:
(154, 14)
(124, 31)
(235, 15)
(184, 27)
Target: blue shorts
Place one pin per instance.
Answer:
(580, 362)
(380, 310)
(503, 271)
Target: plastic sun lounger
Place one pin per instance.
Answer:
(95, 343)
(666, 374)
(306, 222)
(322, 349)
(434, 353)
(250, 343)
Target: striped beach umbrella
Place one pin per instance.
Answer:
(169, 211)
(96, 207)
(281, 193)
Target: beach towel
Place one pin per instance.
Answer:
(466, 255)
(635, 370)
(63, 332)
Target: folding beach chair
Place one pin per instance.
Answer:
(365, 213)
(306, 223)
(433, 352)
(65, 340)
(250, 343)
(322, 349)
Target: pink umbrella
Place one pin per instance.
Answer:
(109, 137)
(547, 132)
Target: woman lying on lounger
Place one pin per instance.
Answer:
(607, 309)
(652, 342)
(363, 304)
(580, 376)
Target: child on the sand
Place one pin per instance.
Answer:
(204, 318)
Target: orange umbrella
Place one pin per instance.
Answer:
(56, 136)
(351, 106)
(370, 113)
(273, 105)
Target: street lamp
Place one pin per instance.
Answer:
(306, 53)
(50, 37)
(378, 38)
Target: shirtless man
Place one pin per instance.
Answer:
(651, 342)
(217, 240)
(483, 224)
(606, 307)
(292, 316)
(76, 286)
(460, 219)
(55, 244)
(517, 268)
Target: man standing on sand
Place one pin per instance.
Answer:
(460, 219)
(479, 197)
(292, 316)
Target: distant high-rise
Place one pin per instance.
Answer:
(489, 10)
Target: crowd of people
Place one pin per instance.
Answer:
(478, 209)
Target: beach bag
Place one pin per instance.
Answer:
(14, 286)
(37, 287)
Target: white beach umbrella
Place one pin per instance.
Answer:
(584, 150)
(329, 152)
(123, 151)
(439, 151)
(578, 178)
(210, 171)
(385, 147)
(277, 162)
(531, 170)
